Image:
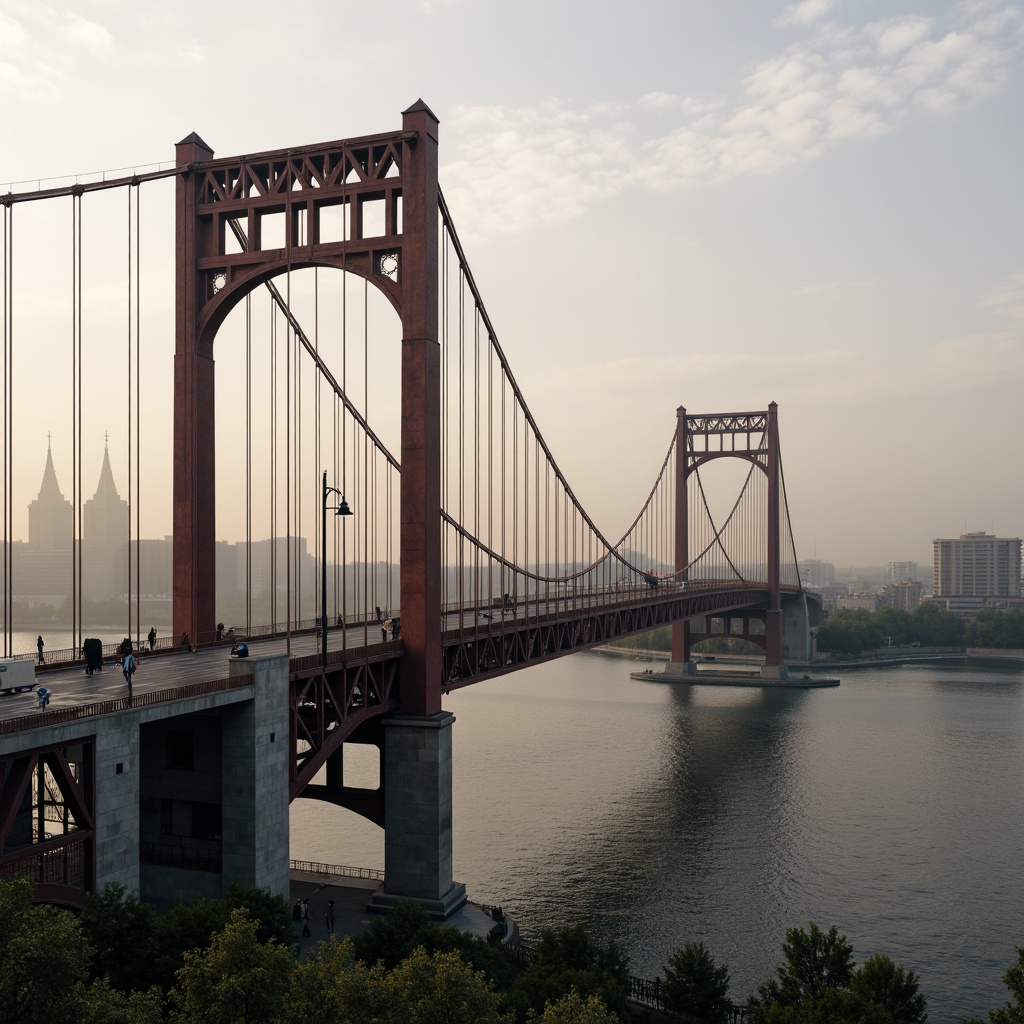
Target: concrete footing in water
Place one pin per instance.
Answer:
(766, 676)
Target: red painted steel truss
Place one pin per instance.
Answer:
(497, 648)
(304, 186)
(738, 434)
(47, 821)
(327, 708)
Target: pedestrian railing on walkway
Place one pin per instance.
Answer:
(106, 707)
(331, 870)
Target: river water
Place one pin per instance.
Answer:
(656, 814)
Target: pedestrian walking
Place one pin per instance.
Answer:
(128, 666)
(377, 610)
(384, 627)
(39, 647)
(151, 637)
(329, 917)
(305, 919)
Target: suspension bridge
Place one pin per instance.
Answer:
(464, 531)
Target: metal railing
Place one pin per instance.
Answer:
(169, 855)
(331, 870)
(68, 657)
(64, 865)
(106, 707)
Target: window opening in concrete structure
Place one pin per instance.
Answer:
(181, 750)
(206, 820)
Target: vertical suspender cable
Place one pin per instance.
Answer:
(138, 414)
(8, 451)
(273, 468)
(128, 405)
(289, 227)
(367, 499)
(248, 463)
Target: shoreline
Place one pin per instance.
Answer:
(881, 660)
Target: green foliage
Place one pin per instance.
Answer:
(892, 988)
(570, 959)
(573, 1009)
(816, 962)
(393, 937)
(190, 926)
(320, 985)
(856, 630)
(237, 979)
(996, 627)
(1012, 1013)
(935, 627)
(122, 934)
(695, 985)
(818, 983)
(659, 639)
(438, 988)
(105, 1005)
(43, 955)
(835, 1006)
(727, 645)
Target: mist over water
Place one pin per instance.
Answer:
(656, 814)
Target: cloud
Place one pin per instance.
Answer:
(90, 35)
(44, 48)
(835, 86)
(1007, 297)
(804, 13)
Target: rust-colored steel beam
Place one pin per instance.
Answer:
(680, 630)
(496, 648)
(773, 630)
(420, 542)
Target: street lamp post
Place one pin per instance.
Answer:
(340, 509)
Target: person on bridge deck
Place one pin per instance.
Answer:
(377, 610)
(384, 627)
(186, 642)
(329, 917)
(305, 919)
(39, 647)
(151, 637)
(128, 666)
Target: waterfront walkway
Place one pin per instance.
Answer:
(351, 893)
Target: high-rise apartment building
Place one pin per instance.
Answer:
(976, 565)
(905, 572)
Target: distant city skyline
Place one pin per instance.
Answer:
(815, 203)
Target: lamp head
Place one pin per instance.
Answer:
(343, 509)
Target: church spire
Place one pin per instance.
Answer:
(50, 490)
(106, 489)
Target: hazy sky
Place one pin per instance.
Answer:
(709, 204)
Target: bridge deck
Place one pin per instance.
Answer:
(527, 634)
(71, 687)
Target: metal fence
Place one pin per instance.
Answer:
(330, 870)
(106, 707)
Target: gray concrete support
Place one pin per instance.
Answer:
(255, 780)
(681, 669)
(418, 815)
(117, 770)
